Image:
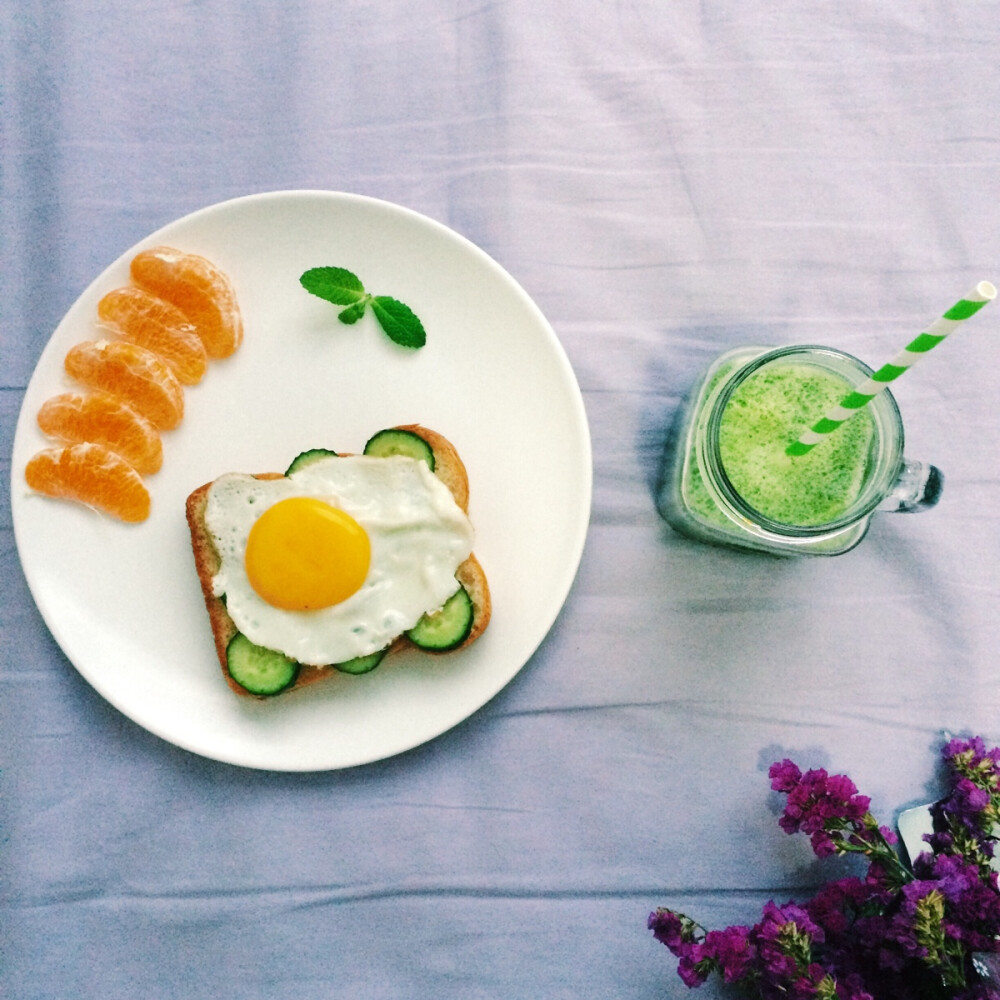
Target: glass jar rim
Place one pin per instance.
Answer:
(857, 511)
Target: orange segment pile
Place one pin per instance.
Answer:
(90, 474)
(103, 419)
(180, 311)
(141, 318)
(199, 289)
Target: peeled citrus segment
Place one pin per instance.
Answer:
(133, 374)
(142, 318)
(92, 475)
(199, 289)
(103, 419)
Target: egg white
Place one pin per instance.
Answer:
(419, 536)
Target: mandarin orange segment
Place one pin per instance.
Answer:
(132, 373)
(142, 318)
(103, 419)
(90, 474)
(199, 289)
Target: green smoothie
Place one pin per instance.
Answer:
(766, 413)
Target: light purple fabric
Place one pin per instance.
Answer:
(665, 180)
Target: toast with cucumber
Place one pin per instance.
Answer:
(254, 670)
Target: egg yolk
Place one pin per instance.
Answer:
(302, 554)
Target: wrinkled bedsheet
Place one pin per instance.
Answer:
(665, 180)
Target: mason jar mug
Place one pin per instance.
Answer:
(727, 477)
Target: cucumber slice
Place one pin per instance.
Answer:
(362, 664)
(446, 628)
(396, 442)
(261, 671)
(305, 458)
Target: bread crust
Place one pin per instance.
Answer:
(448, 467)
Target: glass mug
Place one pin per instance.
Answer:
(727, 480)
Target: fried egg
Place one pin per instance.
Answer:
(337, 559)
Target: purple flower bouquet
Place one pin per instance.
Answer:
(899, 932)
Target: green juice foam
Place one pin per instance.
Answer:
(769, 411)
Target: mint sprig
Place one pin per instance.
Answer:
(343, 288)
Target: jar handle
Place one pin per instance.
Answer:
(917, 487)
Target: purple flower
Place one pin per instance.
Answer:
(692, 972)
(974, 799)
(826, 807)
(784, 775)
(964, 812)
(727, 952)
(784, 938)
(969, 798)
(816, 798)
(898, 932)
(965, 818)
(731, 949)
(965, 756)
(918, 926)
(680, 935)
(669, 929)
(837, 906)
(972, 902)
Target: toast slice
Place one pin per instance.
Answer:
(448, 467)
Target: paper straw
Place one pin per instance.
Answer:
(915, 350)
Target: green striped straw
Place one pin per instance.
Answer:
(915, 350)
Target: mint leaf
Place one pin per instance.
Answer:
(399, 321)
(343, 288)
(335, 284)
(353, 313)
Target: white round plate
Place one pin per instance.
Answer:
(123, 601)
